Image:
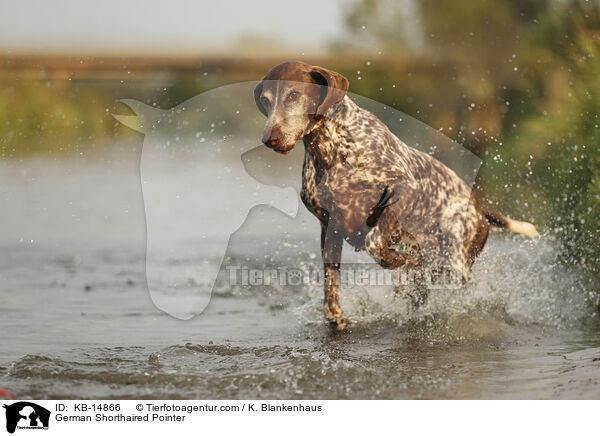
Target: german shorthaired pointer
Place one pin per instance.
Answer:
(367, 187)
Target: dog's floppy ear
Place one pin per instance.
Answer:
(257, 92)
(334, 88)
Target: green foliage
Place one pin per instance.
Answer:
(568, 125)
(47, 116)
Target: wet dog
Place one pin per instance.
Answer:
(367, 187)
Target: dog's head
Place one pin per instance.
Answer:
(294, 96)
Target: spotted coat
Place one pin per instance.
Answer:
(351, 157)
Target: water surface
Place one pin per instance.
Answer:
(78, 320)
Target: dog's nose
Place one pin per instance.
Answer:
(272, 140)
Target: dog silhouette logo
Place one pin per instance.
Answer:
(197, 191)
(26, 415)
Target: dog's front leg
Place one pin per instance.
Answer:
(331, 250)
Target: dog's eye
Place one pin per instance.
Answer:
(264, 101)
(292, 96)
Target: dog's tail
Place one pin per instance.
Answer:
(499, 220)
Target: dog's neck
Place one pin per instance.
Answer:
(327, 139)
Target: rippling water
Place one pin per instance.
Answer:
(78, 320)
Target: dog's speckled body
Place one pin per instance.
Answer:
(402, 206)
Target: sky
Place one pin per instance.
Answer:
(165, 26)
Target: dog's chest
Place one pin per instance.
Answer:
(342, 192)
(311, 176)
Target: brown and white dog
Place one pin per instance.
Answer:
(367, 187)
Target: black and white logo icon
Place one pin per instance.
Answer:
(26, 415)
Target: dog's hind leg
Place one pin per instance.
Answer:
(417, 291)
(390, 246)
(394, 248)
(412, 285)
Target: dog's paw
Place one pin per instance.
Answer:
(338, 324)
